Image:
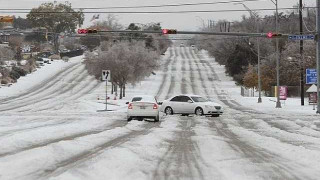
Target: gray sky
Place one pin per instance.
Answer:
(190, 21)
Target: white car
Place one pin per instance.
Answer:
(191, 104)
(143, 106)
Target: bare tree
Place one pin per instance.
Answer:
(129, 62)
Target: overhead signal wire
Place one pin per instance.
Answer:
(154, 12)
(152, 6)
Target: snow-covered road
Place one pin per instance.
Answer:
(50, 129)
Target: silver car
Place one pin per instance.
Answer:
(191, 104)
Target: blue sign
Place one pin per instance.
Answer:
(301, 37)
(311, 76)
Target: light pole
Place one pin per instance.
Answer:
(278, 104)
(318, 57)
(258, 46)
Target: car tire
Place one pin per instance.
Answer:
(168, 111)
(129, 119)
(156, 118)
(199, 111)
(215, 115)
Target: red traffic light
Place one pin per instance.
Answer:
(272, 35)
(82, 31)
(269, 34)
(87, 31)
(169, 31)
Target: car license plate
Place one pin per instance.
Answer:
(142, 107)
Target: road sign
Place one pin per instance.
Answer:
(301, 37)
(106, 74)
(311, 76)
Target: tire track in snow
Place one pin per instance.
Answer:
(270, 120)
(65, 138)
(46, 93)
(279, 166)
(183, 73)
(272, 166)
(165, 71)
(173, 70)
(46, 84)
(78, 159)
(181, 160)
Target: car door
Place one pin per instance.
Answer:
(187, 105)
(175, 104)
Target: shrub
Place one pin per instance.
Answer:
(20, 71)
(14, 75)
(3, 81)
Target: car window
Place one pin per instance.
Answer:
(144, 98)
(136, 99)
(199, 99)
(177, 98)
(184, 99)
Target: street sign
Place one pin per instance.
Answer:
(301, 37)
(106, 74)
(311, 76)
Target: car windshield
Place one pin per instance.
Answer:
(143, 98)
(199, 99)
(136, 99)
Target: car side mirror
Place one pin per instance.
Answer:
(127, 102)
(189, 101)
(159, 103)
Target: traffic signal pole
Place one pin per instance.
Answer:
(301, 56)
(318, 57)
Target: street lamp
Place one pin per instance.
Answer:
(278, 104)
(258, 46)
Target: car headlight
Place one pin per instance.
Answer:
(218, 107)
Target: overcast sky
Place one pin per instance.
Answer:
(182, 21)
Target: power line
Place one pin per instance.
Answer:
(153, 6)
(151, 12)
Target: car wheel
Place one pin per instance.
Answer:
(199, 111)
(156, 119)
(168, 111)
(215, 115)
(129, 118)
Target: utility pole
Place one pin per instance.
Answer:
(318, 57)
(301, 56)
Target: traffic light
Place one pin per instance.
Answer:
(273, 35)
(87, 31)
(90, 31)
(169, 31)
(7, 19)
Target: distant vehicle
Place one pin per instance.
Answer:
(181, 45)
(191, 104)
(143, 106)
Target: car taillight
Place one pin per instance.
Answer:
(130, 106)
(155, 106)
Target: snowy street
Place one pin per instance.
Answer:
(50, 128)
